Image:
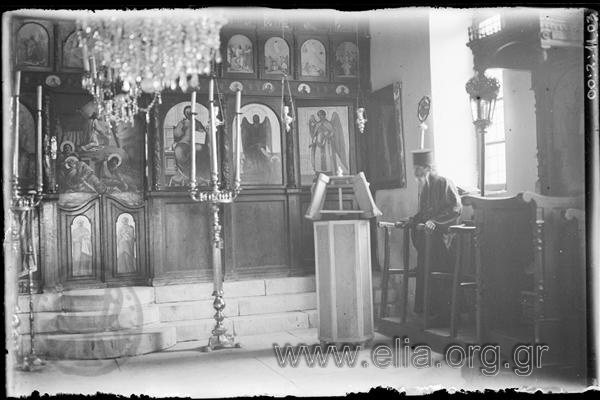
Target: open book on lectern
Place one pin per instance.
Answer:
(360, 190)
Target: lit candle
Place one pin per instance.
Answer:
(39, 139)
(193, 172)
(213, 135)
(238, 136)
(16, 122)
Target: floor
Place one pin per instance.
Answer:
(252, 370)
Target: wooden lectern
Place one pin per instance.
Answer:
(343, 260)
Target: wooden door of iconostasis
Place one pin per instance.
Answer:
(101, 211)
(102, 242)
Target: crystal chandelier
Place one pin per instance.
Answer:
(127, 53)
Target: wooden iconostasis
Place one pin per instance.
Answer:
(117, 210)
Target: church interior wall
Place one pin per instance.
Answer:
(520, 128)
(405, 59)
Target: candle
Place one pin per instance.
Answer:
(39, 98)
(16, 122)
(193, 172)
(85, 57)
(18, 84)
(214, 166)
(39, 139)
(238, 101)
(238, 136)
(93, 65)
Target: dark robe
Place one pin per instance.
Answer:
(439, 202)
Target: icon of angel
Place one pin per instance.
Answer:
(328, 152)
(256, 140)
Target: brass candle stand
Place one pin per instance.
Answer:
(220, 339)
(23, 208)
(216, 196)
(23, 205)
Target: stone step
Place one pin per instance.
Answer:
(109, 320)
(267, 323)
(289, 285)
(235, 289)
(43, 302)
(277, 303)
(246, 325)
(105, 299)
(86, 299)
(95, 346)
(199, 329)
(45, 322)
(192, 310)
(91, 321)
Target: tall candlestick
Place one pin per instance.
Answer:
(16, 122)
(238, 136)
(39, 140)
(214, 165)
(193, 172)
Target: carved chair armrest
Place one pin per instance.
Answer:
(461, 229)
(390, 225)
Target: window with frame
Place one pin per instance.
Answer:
(495, 142)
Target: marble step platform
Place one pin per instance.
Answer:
(200, 329)
(91, 321)
(253, 305)
(87, 299)
(104, 345)
(99, 323)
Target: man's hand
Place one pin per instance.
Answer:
(430, 226)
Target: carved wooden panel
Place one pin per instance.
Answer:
(179, 239)
(559, 275)
(260, 234)
(506, 258)
(49, 253)
(125, 247)
(79, 238)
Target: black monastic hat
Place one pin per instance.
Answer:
(423, 157)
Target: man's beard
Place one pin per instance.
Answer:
(420, 183)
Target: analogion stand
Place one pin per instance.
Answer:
(343, 260)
